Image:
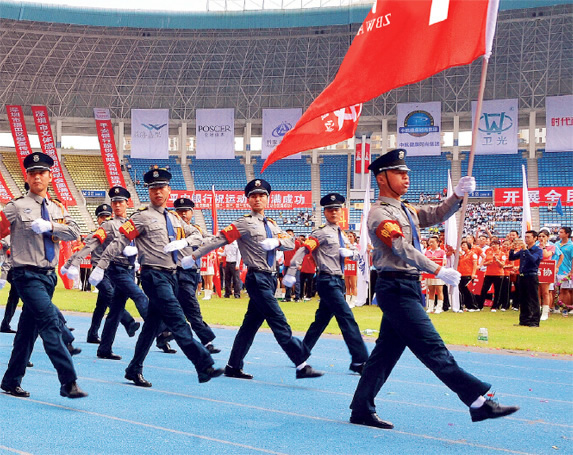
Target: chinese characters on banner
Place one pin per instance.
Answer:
(236, 200)
(507, 197)
(19, 133)
(559, 123)
(5, 193)
(108, 150)
(498, 127)
(48, 145)
(546, 272)
(419, 128)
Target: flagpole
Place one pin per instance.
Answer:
(475, 129)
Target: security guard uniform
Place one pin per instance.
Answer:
(393, 229)
(35, 253)
(324, 243)
(261, 283)
(93, 245)
(189, 279)
(149, 228)
(13, 298)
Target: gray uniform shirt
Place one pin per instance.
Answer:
(27, 247)
(149, 230)
(194, 239)
(324, 244)
(391, 233)
(249, 231)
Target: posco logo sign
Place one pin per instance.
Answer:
(282, 129)
(214, 128)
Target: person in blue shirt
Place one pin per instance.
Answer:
(529, 255)
(564, 266)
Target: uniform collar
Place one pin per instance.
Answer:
(157, 208)
(258, 216)
(39, 199)
(333, 225)
(390, 201)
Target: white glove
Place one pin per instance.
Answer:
(73, 273)
(63, 270)
(39, 226)
(449, 276)
(2, 283)
(270, 244)
(466, 184)
(188, 262)
(289, 281)
(345, 252)
(175, 245)
(130, 250)
(96, 276)
(136, 266)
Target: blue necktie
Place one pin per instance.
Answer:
(415, 238)
(270, 254)
(171, 234)
(341, 242)
(49, 251)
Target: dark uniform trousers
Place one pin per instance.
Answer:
(528, 294)
(232, 280)
(188, 281)
(263, 306)
(39, 316)
(406, 324)
(11, 303)
(488, 281)
(161, 288)
(331, 290)
(125, 287)
(468, 299)
(105, 295)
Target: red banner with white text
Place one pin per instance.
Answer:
(48, 145)
(236, 200)
(5, 193)
(19, 133)
(108, 150)
(544, 196)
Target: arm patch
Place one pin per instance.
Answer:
(311, 244)
(100, 235)
(389, 230)
(129, 230)
(231, 233)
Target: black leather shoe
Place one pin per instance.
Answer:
(137, 379)
(109, 356)
(209, 373)
(73, 351)
(165, 347)
(16, 391)
(237, 373)
(71, 390)
(212, 349)
(356, 368)
(29, 365)
(133, 327)
(491, 410)
(370, 420)
(7, 330)
(93, 340)
(308, 372)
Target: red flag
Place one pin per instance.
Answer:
(399, 43)
(217, 276)
(65, 253)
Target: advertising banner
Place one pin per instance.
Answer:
(420, 128)
(215, 134)
(48, 145)
(546, 272)
(150, 133)
(19, 133)
(5, 193)
(559, 123)
(236, 200)
(498, 127)
(508, 197)
(276, 123)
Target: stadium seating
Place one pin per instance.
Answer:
(87, 172)
(137, 167)
(222, 174)
(555, 169)
(288, 175)
(496, 171)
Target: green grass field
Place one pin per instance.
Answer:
(554, 336)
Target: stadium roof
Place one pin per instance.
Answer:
(208, 14)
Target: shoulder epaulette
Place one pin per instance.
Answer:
(18, 198)
(411, 207)
(141, 209)
(198, 228)
(321, 226)
(271, 220)
(247, 214)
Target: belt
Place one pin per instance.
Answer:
(192, 269)
(123, 266)
(528, 274)
(159, 269)
(400, 275)
(256, 269)
(42, 270)
(329, 274)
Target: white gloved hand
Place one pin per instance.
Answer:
(39, 226)
(289, 281)
(270, 244)
(137, 266)
(345, 252)
(130, 250)
(73, 273)
(2, 283)
(96, 276)
(175, 245)
(466, 184)
(63, 270)
(449, 276)
(188, 262)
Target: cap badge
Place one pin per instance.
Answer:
(181, 201)
(333, 197)
(401, 155)
(117, 191)
(36, 158)
(257, 183)
(155, 174)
